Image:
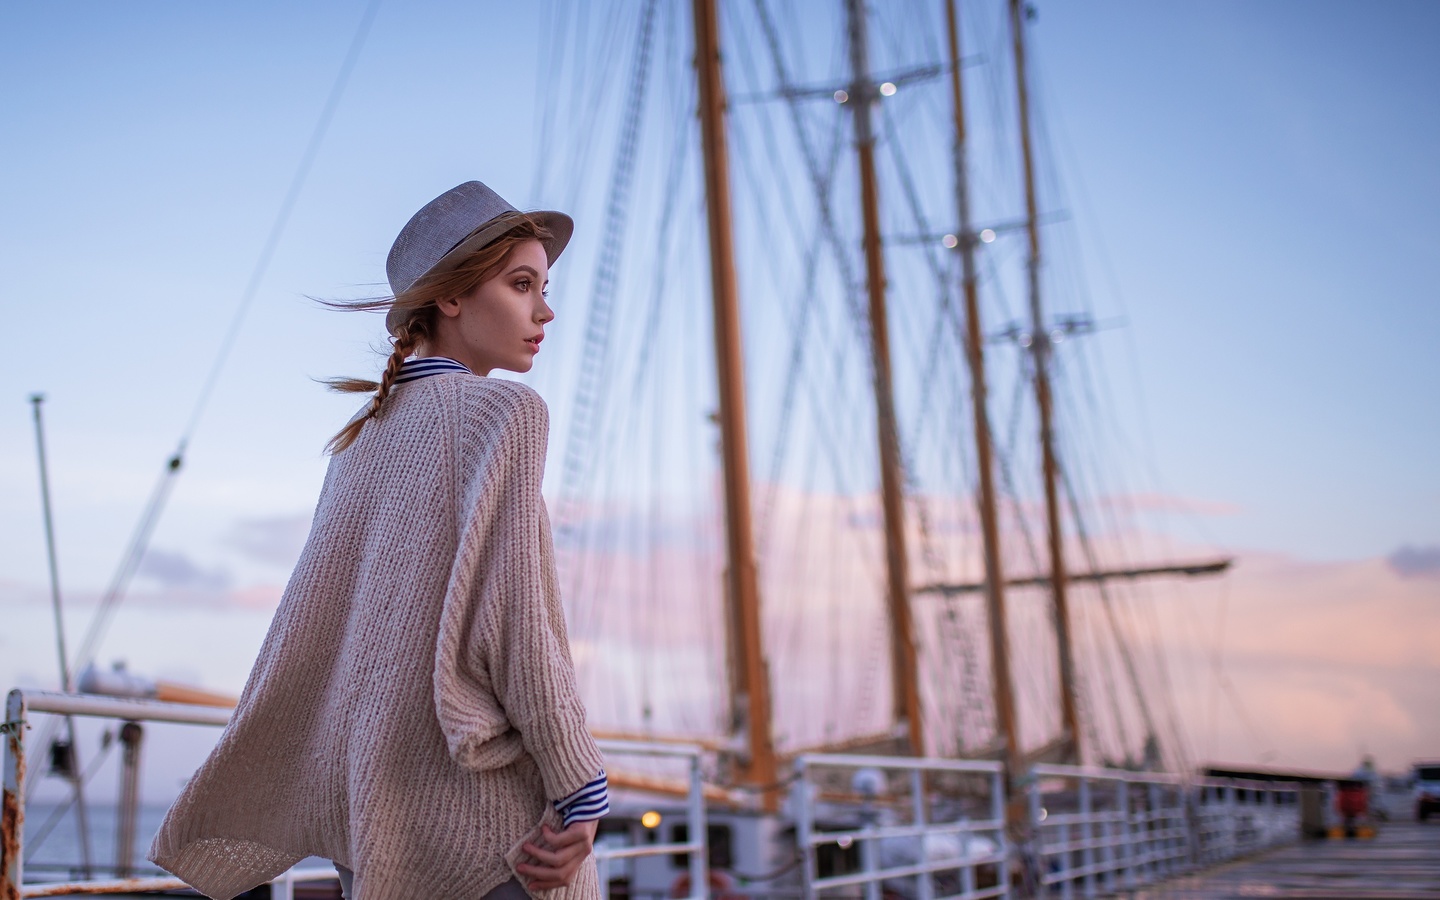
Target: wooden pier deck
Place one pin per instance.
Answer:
(1401, 862)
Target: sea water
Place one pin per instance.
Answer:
(57, 855)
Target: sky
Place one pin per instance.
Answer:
(1251, 188)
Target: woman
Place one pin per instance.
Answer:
(413, 714)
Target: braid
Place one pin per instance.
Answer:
(405, 341)
(407, 336)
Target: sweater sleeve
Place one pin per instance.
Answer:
(515, 648)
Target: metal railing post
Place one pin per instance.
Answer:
(1206, 835)
(803, 828)
(699, 832)
(1272, 818)
(1108, 852)
(967, 871)
(1002, 841)
(1152, 831)
(1171, 824)
(131, 735)
(924, 884)
(1067, 886)
(1087, 823)
(1035, 852)
(1163, 836)
(1232, 821)
(869, 852)
(1127, 834)
(12, 820)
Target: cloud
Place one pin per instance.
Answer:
(275, 541)
(1416, 562)
(175, 570)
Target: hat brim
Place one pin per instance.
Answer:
(560, 226)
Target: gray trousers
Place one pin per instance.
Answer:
(510, 890)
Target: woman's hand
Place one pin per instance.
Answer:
(558, 854)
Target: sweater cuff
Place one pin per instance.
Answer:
(564, 750)
(590, 802)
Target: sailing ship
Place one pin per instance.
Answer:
(849, 623)
(765, 565)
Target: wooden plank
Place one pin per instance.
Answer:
(1401, 863)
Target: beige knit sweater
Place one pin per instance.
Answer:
(414, 708)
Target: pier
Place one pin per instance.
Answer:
(1083, 833)
(1401, 861)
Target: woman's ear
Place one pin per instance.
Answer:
(450, 306)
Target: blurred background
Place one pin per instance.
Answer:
(1237, 206)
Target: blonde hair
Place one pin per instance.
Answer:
(420, 300)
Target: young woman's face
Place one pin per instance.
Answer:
(500, 324)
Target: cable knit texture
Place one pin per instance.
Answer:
(414, 710)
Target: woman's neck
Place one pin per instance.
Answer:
(438, 348)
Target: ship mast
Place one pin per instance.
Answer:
(863, 94)
(1040, 346)
(749, 676)
(975, 354)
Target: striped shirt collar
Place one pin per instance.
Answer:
(423, 367)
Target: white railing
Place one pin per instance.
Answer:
(20, 704)
(1091, 831)
(695, 847)
(1236, 818)
(1097, 831)
(936, 855)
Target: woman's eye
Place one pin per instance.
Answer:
(523, 284)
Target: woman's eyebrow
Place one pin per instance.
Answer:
(524, 268)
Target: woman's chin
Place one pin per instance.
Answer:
(519, 365)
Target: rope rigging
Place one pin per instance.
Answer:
(150, 516)
(814, 424)
(588, 398)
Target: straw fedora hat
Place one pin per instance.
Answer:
(450, 228)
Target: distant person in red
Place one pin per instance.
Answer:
(414, 713)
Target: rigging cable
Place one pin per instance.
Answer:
(821, 180)
(140, 539)
(812, 166)
(139, 543)
(76, 799)
(1156, 660)
(588, 405)
(623, 429)
(1089, 380)
(798, 581)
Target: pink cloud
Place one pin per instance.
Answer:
(1416, 562)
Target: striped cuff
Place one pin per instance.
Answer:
(590, 802)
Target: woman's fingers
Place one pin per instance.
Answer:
(552, 859)
(559, 857)
(545, 877)
(579, 832)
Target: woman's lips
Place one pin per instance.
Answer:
(534, 343)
